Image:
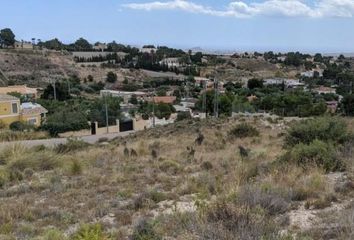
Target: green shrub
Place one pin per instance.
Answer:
(317, 153)
(3, 177)
(170, 166)
(183, 115)
(40, 161)
(325, 129)
(144, 230)
(90, 232)
(206, 165)
(268, 199)
(53, 234)
(72, 145)
(21, 126)
(9, 135)
(243, 130)
(75, 168)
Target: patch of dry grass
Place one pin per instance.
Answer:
(133, 177)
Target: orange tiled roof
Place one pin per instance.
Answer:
(165, 99)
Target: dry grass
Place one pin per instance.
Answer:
(9, 136)
(157, 171)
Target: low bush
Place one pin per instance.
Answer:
(148, 199)
(9, 135)
(90, 232)
(21, 126)
(206, 165)
(183, 115)
(75, 168)
(227, 221)
(20, 162)
(325, 129)
(244, 130)
(170, 166)
(40, 161)
(268, 199)
(72, 145)
(53, 234)
(144, 230)
(317, 153)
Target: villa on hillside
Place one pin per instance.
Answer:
(164, 99)
(324, 90)
(23, 45)
(126, 96)
(289, 83)
(12, 111)
(100, 47)
(170, 62)
(149, 49)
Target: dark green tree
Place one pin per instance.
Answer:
(111, 77)
(7, 37)
(61, 89)
(53, 44)
(254, 83)
(348, 105)
(82, 45)
(98, 110)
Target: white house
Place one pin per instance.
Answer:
(170, 62)
(23, 45)
(148, 50)
(312, 72)
(126, 96)
(100, 47)
(289, 83)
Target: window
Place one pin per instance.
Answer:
(14, 108)
(32, 121)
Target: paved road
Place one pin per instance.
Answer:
(55, 141)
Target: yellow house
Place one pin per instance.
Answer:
(32, 113)
(11, 111)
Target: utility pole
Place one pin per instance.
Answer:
(216, 98)
(153, 109)
(55, 90)
(69, 90)
(204, 99)
(106, 107)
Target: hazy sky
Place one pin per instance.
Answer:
(279, 25)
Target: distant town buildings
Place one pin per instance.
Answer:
(23, 45)
(148, 49)
(289, 83)
(171, 62)
(126, 96)
(100, 47)
(163, 99)
(312, 73)
(324, 90)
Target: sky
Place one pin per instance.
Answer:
(325, 26)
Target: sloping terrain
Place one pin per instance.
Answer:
(38, 68)
(191, 180)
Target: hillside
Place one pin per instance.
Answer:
(212, 179)
(38, 68)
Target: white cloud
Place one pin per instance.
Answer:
(239, 9)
